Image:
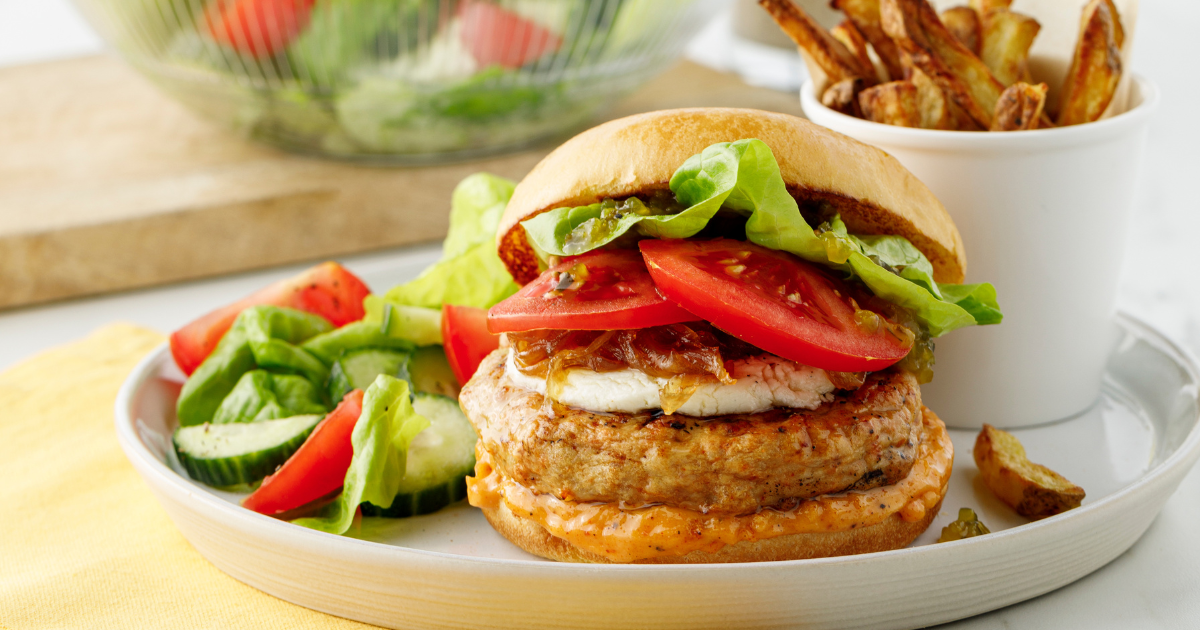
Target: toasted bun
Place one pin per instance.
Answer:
(870, 189)
(892, 533)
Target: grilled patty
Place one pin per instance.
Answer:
(732, 464)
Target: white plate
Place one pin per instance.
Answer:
(1129, 452)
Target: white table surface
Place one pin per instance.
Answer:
(1156, 584)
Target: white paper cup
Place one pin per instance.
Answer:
(1043, 215)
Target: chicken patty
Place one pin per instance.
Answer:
(732, 464)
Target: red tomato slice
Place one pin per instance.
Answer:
(317, 469)
(327, 290)
(496, 36)
(260, 28)
(466, 339)
(772, 300)
(611, 291)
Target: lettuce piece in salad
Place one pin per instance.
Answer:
(261, 337)
(743, 177)
(469, 273)
(381, 438)
(260, 395)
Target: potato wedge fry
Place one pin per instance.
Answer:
(829, 54)
(852, 39)
(983, 7)
(1095, 68)
(965, 26)
(893, 103)
(1020, 107)
(843, 96)
(1007, 37)
(931, 102)
(1033, 490)
(864, 14)
(916, 29)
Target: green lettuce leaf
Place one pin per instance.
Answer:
(353, 336)
(261, 395)
(743, 177)
(381, 438)
(469, 273)
(261, 337)
(416, 324)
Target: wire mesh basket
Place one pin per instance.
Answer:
(399, 80)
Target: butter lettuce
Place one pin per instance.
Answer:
(743, 177)
(381, 439)
(469, 272)
(260, 395)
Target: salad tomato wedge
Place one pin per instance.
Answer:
(600, 290)
(327, 290)
(318, 468)
(467, 340)
(259, 28)
(497, 36)
(775, 301)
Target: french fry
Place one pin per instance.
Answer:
(1033, 490)
(893, 103)
(931, 101)
(852, 39)
(1007, 37)
(916, 29)
(1095, 68)
(1118, 27)
(1020, 107)
(838, 63)
(983, 7)
(864, 14)
(843, 96)
(964, 24)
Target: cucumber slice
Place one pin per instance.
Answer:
(431, 372)
(231, 454)
(358, 369)
(439, 460)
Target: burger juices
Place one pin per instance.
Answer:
(718, 349)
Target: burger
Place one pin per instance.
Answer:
(717, 352)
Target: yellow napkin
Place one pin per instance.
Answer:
(83, 544)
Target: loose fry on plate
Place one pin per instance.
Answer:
(864, 14)
(931, 102)
(1033, 490)
(983, 7)
(1020, 107)
(964, 25)
(916, 29)
(843, 96)
(893, 103)
(826, 52)
(852, 39)
(1095, 68)
(1007, 37)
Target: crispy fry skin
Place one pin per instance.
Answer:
(916, 29)
(1020, 107)
(931, 101)
(864, 14)
(843, 96)
(983, 7)
(965, 26)
(829, 54)
(1007, 37)
(853, 40)
(1033, 490)
(893, 103)
(1095, 68)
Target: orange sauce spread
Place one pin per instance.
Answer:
(627, 535)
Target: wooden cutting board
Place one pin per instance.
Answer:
(107, 184)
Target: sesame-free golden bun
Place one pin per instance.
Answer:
(825, 171)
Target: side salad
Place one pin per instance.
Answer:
(323, 400)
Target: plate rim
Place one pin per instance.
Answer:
(146, 463)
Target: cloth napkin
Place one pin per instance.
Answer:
(83, 543)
